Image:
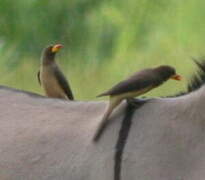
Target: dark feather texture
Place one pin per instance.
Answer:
(152, 77)
(63, 83)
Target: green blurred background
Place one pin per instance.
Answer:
(105, 40)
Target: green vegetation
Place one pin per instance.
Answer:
(105, 41)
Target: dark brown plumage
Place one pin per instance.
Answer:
(137, 84)
(50, 76)
(140, 80)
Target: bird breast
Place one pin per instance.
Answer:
(50, 83)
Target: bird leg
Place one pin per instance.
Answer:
(114, 102)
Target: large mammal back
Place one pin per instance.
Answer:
(49, 139)
(43, 138)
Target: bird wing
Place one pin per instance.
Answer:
(136, 82)
(38, 76)
(64, 83)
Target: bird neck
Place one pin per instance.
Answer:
(48, 59)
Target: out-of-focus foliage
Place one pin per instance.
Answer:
(104, 40)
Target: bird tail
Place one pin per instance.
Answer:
(104, 122)
(103, 94)
(102, 126)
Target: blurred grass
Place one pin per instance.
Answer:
(105, 41)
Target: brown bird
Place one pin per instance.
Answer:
(50, 76)
(137, 84)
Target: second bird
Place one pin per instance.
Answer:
(50, 76)
(139, 83)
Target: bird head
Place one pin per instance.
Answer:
(168, 72)
(49, 53)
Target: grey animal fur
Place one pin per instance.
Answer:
(50, 139)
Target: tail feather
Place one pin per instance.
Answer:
(103, 94)
(100, 129)
(104, 122)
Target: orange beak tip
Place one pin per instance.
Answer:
(177, 77)
(57, 47)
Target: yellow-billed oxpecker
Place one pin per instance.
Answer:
(50, 76)
(137, 84)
